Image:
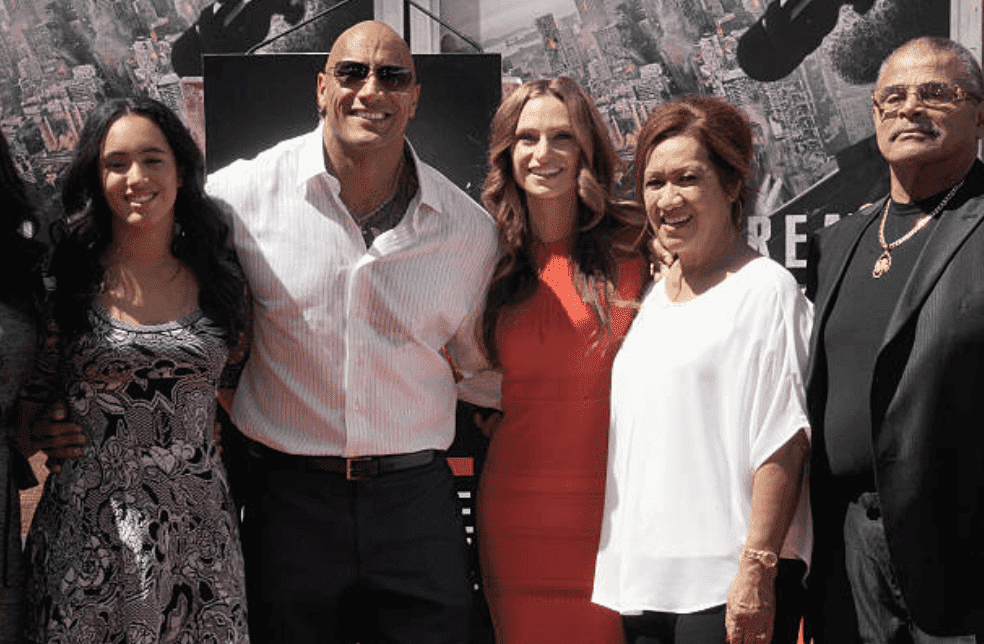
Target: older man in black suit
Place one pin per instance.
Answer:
(896, 379)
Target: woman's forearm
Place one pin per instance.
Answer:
(751, 607)
(775, 495)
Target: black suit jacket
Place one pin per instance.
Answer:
(927, 410)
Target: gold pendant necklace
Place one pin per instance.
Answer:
(884, 262)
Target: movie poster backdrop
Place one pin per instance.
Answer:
(803, 70)
(61, 58)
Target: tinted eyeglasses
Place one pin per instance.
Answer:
(933, 94)
(393, 78)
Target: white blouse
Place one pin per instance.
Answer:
(703, 393)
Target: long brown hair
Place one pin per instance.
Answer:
(607, 229)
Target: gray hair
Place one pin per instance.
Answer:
(973, 78)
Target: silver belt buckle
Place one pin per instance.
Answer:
(358, 468)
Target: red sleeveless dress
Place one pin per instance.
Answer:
(542, 490)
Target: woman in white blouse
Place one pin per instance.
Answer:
(704, 507)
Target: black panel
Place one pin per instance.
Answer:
(252, 102)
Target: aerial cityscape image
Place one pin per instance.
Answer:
(802, 70)
(804, 79)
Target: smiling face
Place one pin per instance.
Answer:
(686, 202)
(365, 118)
(139, 173)
(917, 136)
(545, 154)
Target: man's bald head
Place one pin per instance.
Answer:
(370, 35)
(364, 95)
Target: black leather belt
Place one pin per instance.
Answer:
(355, 468)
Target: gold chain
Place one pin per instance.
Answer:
(884, 261)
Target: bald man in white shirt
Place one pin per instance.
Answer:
(364, 264)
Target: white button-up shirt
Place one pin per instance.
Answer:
(346, 356)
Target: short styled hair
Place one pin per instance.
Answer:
(723, 129)
(973, 78)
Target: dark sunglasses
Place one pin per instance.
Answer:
(393, 78)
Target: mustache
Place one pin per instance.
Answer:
(927, 129)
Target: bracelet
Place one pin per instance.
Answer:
(764, 557)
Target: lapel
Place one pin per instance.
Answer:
(852, 231)
(838, 244)
(944, 240)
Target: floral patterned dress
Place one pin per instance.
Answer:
(136, 541)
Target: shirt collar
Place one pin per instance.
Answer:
(430, 189)
(311, 159)
(311, 163)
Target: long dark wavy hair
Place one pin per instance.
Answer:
(202, 229)
(20, 253)
(607, 229)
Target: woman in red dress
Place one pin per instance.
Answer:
(560, 301)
